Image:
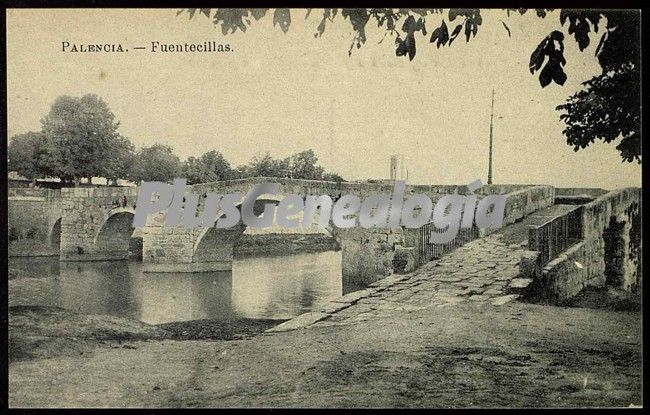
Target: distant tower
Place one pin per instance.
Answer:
(393, 167)
(489, 180)
(398, 170)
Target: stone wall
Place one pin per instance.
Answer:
(609, 254)
(523, 202)
(85, 212)
(577, 195)
(32, 218)
(580, 191)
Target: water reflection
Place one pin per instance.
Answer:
(261, 287)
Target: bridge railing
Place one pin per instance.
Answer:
(428, 251)
(556, 235)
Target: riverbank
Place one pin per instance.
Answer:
(38, 332)
(468, 355)
(41, 332)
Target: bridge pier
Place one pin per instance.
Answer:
(179, 249)
(365, 252)
(96, 224)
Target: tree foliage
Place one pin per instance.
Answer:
(303, 165)
(78, 139)
(266, 166)
(608, 107)
(598, 112)
(80, 135)
(25, 155)
(157, 163)
(618, 51)
(209, 167)
(119, 162)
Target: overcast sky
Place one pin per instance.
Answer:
(284, 93)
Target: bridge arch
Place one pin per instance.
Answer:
(55, 236)
(216, 244)
(114, 235)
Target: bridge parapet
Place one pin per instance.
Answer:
(608, 251)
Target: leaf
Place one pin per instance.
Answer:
(230, 20)
(559, 77)
(599, 48)
(563, 16)
(258, 13)
(390, 23)
(440, 34)
(455, 33)
(400, 49)
(282, 17)
(411, 26)
(358, 18)
(410, 46)
(468, 30)
(506, 27)
(545, 76)
(453, 13)
(551, 47)
(579, 27)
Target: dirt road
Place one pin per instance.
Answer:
(468, 355)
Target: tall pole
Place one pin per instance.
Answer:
(489, 181)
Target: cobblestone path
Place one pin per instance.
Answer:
(484, 270)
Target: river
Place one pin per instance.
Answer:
(279, 287)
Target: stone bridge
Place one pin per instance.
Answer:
(91, 224)
(96, 224)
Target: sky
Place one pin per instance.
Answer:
(285, 93)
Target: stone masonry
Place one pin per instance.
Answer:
(89, 215)
(482, 271)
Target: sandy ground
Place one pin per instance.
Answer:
(468, 355)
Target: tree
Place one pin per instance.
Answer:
(156, 163)
(119, 163)
(303, 166)
(25, 155)
(210, 167)
(618, 52)
(242, 171)
(333, 177)
(267, 166)
(80, 135)
(609, 105)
